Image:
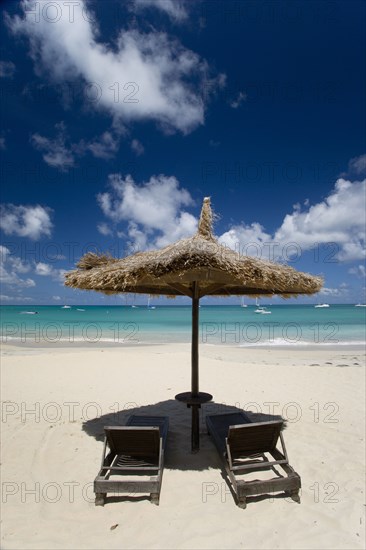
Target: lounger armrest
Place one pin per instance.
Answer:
(228, 454)
(104, 451)
(161, 454)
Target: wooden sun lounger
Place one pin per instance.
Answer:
(135, 461)
(243, 446)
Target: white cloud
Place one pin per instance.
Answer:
(338, 219)
(17, 264)
(357, 165)
(104, 229)
(4, 253)
(104, 147)
(55, 151)
(25, 221)
(43, 269)
(10, 266)
(137, 147)
(47, 270)
(138, 237)
(56, 298)
(152, 210)
(359, 271)
(60, 153)
(184, 225)
(249, 240)
(175, 9)
(60, 276)
(240, 98)
(7, 69)
(143, 76)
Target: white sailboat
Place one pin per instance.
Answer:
(134, 306)
(360, 305)
(66, 307)
(322, 305)
(243, 304)
(148, 304)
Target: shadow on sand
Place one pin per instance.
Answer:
(178, 455)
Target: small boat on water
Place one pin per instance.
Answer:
(29, 312)
(261, 309)
(79, 309)
(243, 304)
(360, 305)
(66, 307)
(322, 305)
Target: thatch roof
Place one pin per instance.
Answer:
(172, 270)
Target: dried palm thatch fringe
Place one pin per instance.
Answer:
(90, 260)
(172, 270)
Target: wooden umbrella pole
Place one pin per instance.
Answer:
(195, 330)
(195, 436)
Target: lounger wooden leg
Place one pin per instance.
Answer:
(242, 502)
(100, 499)
(155, 498)
(295, 496)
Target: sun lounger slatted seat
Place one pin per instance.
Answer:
(135, 461)
(247, 447)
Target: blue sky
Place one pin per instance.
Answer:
(118, 117)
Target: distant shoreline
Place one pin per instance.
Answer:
(14, 346)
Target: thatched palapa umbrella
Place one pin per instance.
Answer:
(194, 267)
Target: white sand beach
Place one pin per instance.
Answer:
(55, 403)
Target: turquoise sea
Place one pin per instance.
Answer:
(287, 325)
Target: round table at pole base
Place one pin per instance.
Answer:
(194, 401)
